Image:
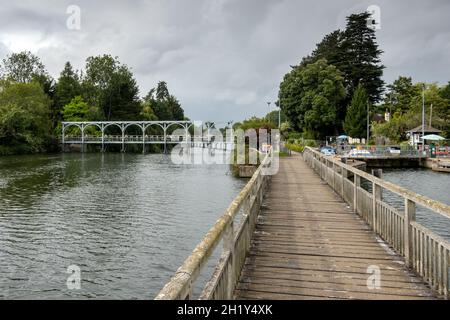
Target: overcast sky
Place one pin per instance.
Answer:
(223, 59)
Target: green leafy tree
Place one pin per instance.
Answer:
(147, 113)
(22, 67)
(111, 87)
(24, 118)
(164, 105)
(400, 95)
(394, 131)
(329, 49)
(254, 123)
(273, 116)
(309, 97)
(78, 110)
(359, 57)
(435, 102)
(407, 106)
(354, 51)
(25, 67)
(355, 124)
(67, 88)
(445, 93)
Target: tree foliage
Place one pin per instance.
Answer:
(404, 99)
(354, 52)
(78, 110)
(309, 97)
(355, 124)
(110, 86)
(67, 87)
(22, 67)
(24, 117)
(359, 57)
(164, 105)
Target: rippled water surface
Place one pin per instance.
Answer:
(128, 221)
(435, 185)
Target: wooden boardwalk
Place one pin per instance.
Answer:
(308, 244)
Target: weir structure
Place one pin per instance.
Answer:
(313, 231)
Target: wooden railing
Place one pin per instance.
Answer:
(236, 244)
(424, 251)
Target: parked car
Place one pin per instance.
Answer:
(359, 153)
(394, 150)
(328, 151)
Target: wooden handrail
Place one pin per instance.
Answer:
(427, 202)
(427, 253)
(181, 284)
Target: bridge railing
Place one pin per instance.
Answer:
(236, 244)
(126, 138)
(367, 151)
(425, 252)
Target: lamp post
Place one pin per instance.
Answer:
(368, 123)
(279, 117)
(268, 104)
(423, 117)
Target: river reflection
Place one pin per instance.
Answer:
(128, 221)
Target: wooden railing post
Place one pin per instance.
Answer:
(344, 176)
(356, 185)
(334, 176)
(228, 247)
(376, 191)
(228, 238)
(410, 216)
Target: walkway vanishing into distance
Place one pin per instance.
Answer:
(309, 244)
(313, 232)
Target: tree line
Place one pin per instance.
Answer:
(332, 89)
(33, 104)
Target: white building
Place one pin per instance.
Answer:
(415, 134)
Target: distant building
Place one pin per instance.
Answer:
(378, 118)
(387, 116)
(415, 134)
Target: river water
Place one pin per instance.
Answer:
(127, 221)
(435, 185)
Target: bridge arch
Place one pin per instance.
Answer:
(87, 125)
(118, 125)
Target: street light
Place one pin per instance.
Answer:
(423, 116)
(279, 115)
(268, 104)
(368, 123)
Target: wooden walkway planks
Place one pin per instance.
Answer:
(308, 244)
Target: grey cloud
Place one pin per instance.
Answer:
(224, 58)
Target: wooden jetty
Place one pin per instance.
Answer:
(312, 232)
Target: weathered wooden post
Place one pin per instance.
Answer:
(376, 195)
(333, 167)
(377, 173)
(344, 176)
(410, 216)
(228, 245)
(356, 185)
